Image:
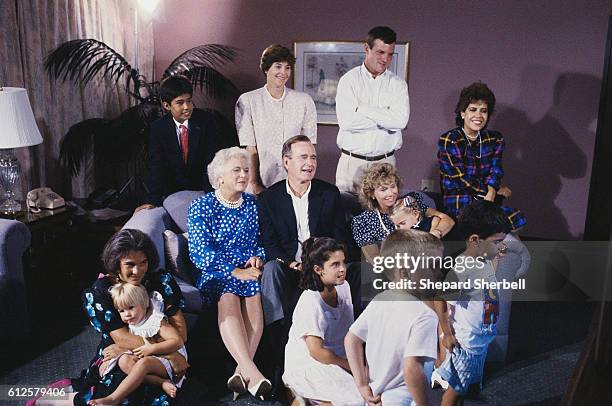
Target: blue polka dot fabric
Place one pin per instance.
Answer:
(367, 229)
(220, 240)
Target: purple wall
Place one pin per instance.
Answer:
(543, 60)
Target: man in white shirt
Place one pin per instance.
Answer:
(372, 107)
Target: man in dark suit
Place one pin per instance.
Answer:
(181, 144)
(290, 211)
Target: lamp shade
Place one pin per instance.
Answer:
(17, 124)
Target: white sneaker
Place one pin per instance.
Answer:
(436, 379)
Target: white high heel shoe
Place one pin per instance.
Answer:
(262, 388)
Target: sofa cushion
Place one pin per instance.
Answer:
(152, 222)
(176, 252)
(192, 297)
(177, 205)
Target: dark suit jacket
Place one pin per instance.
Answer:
(167, 172)
(278, 224)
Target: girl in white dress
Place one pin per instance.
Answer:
(315, 361)
(145, 318)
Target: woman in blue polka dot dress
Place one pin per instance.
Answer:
(225, 247)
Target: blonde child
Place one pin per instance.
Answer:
(410, 212)
(145, 318)
(399, 330)
(315, 361)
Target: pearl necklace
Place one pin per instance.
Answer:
(467, 137)
(228, 203)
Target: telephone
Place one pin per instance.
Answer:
(44, 198)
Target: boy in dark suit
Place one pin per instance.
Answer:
(181, 144)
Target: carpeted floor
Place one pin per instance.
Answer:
(545, 343)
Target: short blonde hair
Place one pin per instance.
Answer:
(413, 243)
(125, 295)
(215, 168)
(373, 177)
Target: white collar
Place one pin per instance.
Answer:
(272, 98)
(151, 324)
(366, 72)
(290, 192)
(178, 125)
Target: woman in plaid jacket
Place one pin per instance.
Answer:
(470, 156)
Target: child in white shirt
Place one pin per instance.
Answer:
(145, 317)
(315, 361)
(399, 330)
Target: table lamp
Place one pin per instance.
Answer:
(17, 129)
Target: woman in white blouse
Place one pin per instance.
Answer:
(268, 116)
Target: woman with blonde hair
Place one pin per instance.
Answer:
(378, 194)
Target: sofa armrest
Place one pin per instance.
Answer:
(14, 240)
(153, 222)
(177, 205)
(515, 263)
(512, 266)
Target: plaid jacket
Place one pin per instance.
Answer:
(466, 171)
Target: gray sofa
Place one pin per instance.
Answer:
(173, 216)
(512, 266)
(14, 240)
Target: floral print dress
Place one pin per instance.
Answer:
(103, 316)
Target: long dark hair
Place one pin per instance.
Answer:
(315, 251)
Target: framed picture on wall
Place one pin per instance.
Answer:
(319, 65)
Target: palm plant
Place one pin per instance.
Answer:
(123, 139)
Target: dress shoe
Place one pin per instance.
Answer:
(262, 388)
(237, 385)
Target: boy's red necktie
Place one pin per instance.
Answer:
(184, 141)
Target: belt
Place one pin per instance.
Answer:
(368, 158)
